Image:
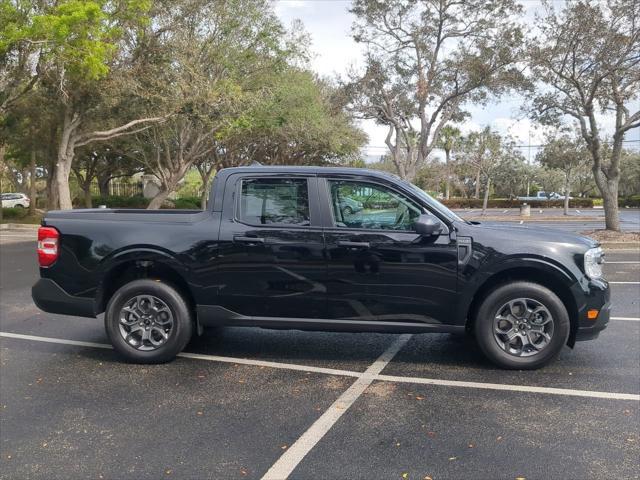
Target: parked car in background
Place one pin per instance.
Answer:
(544, 196)
(13, 200)
(274, 250)
(349, 206)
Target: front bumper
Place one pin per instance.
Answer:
(596, 297)
(50, 297)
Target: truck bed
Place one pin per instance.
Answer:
(127, 215)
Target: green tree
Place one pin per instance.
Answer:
(585, 62)
(426, 60)
(483, 151)
(565, 154)
(78, 45)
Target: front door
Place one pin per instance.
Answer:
(379, 269)
(271, 261)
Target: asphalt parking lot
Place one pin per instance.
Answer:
(251, 403)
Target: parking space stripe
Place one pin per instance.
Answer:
(195, 356)
(626, 319)
(62, 341)
(262, 363)
(296, 452)
(511, 388)
(624, 283)
(622, 261)
(370, 375)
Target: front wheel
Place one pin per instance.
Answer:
(521, 325)
(148, 321)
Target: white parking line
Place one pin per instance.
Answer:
(629, 261)
(511, 388)
(62, 341)
(262, 363)
(296, 452)
(367, 375)
(624, 283)
(195, 356)
(626, 319)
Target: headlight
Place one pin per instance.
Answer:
(593, 260)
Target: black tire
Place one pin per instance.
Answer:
(19, 206)
(347, 211)
(179, 335)
(484, 325)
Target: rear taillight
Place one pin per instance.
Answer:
(48, 238)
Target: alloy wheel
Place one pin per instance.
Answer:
(146, 322)
(523, 327)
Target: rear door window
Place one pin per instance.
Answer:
(274, 201)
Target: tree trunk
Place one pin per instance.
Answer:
(567, 186)
(86, 189)
(2, 147)
(609, 190)
(447, 184)
(52, 189)
(66, 151)
(203, 198)
(33, 193)
(62, 183)
(485, 201)
(477, 194)
(103, 185)
(156, 202)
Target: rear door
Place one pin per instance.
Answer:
(379, 269)
(271, 261)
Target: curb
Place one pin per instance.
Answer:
(18, 226)
(621, 245)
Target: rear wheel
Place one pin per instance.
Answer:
(148, 321)
(522, 325)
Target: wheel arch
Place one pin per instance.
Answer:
(158, 268)
(550, 278)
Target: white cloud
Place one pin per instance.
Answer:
(522, 130)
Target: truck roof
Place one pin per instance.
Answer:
(308, 170)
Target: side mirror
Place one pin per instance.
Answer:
(427, 225)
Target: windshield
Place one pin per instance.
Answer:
(433, 203)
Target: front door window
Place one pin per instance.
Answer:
(370, 206)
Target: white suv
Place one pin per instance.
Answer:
(11, 200)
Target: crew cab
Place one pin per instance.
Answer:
(276, 249)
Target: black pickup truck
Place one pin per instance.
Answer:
(276, 248)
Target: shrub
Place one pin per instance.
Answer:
(632, 202)
(515, 203)
(14, 213)
(115, 201)
(187, 203)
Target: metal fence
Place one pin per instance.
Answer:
(119, 189)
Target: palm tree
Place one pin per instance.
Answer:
(449, 137)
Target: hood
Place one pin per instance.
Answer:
(523, 236)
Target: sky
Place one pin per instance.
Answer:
(328, 22)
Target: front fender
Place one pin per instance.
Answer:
(521, 266)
